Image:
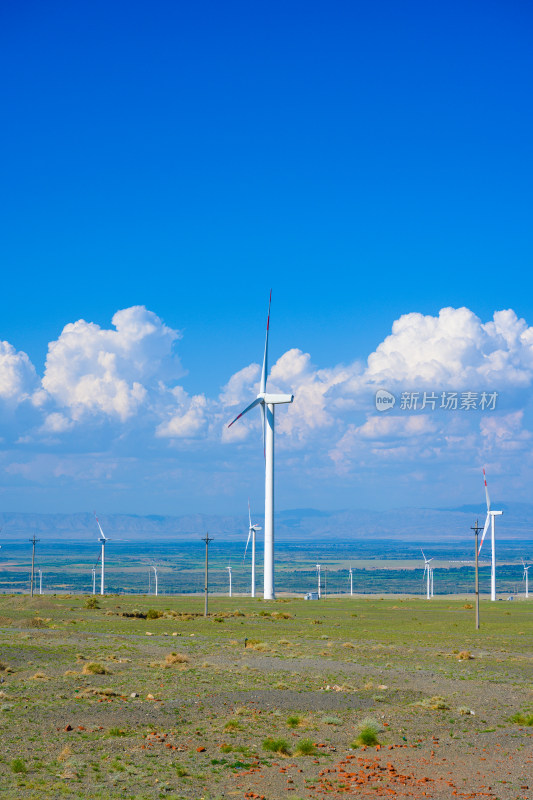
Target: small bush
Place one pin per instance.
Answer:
(117, 732)
(293, 721)
(332, 721)
(464, 655)
(181, 772)
(367, 736)
(94, 668)
(36, 622)
(522, 718)
(176, 658)
(18, 766)
(305, 747)
(92, 602)
(226, 748)
(232, 725)
(152, 613)
(280, 746)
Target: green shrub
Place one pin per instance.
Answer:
(92, 602)
(332, 721)
(280, 746)
(152, 613)
(367, 736)
(94, 668)
(18, 765)
(293, 721)
(181, 772)
(522, 718)
(305, 747)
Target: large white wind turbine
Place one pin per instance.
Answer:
(526, 577)
(103, 539)
(252, 530)
(153, 566)
(490, 520)
(427, 574)
(267, 403)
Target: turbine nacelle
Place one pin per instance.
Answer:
(275, 399)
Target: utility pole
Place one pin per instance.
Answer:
(33, 541)
(206, 581)
(476, 530)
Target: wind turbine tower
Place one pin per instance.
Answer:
(155, 578)
(94, 579)
(526, 577)
(252, 530)
(318, 578)
(490, 520)
(40, 581)
(103, 539)
(427, 574)
(229, 575)
(351, 582)
(267, 403)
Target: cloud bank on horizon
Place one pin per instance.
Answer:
(118, 392)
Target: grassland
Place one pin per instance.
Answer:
(144, 697)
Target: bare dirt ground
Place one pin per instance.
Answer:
(93, 703)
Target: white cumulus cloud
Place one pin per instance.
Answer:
(92, 370)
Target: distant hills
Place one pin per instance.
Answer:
(298, 525)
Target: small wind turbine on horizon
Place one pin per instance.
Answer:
(93, 570)
(490, 520)
(318, 567)
(229, 575)
(40, 581)
(351, 581)
(526, 577)
(427, 574)
(267, 403)
(103, 539)
(252, 530)
(153, 566)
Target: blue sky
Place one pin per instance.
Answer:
(367, 162)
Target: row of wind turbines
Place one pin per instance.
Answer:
(267, 403)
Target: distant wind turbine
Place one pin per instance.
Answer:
(526, 577)
(318, 578)
(229, 574)
(93, 570)
(153, 566)
(267, 402)
(103, 539)
(490, 520)
(40, 581)
(427, 574)
(351, 581)
(252, 530)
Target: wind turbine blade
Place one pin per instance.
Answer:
(265, 357)
(246, 410)
(486, 490)
(249, 516)
(485, 529)
(425, 559)
(99, 526)
(247, 542)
